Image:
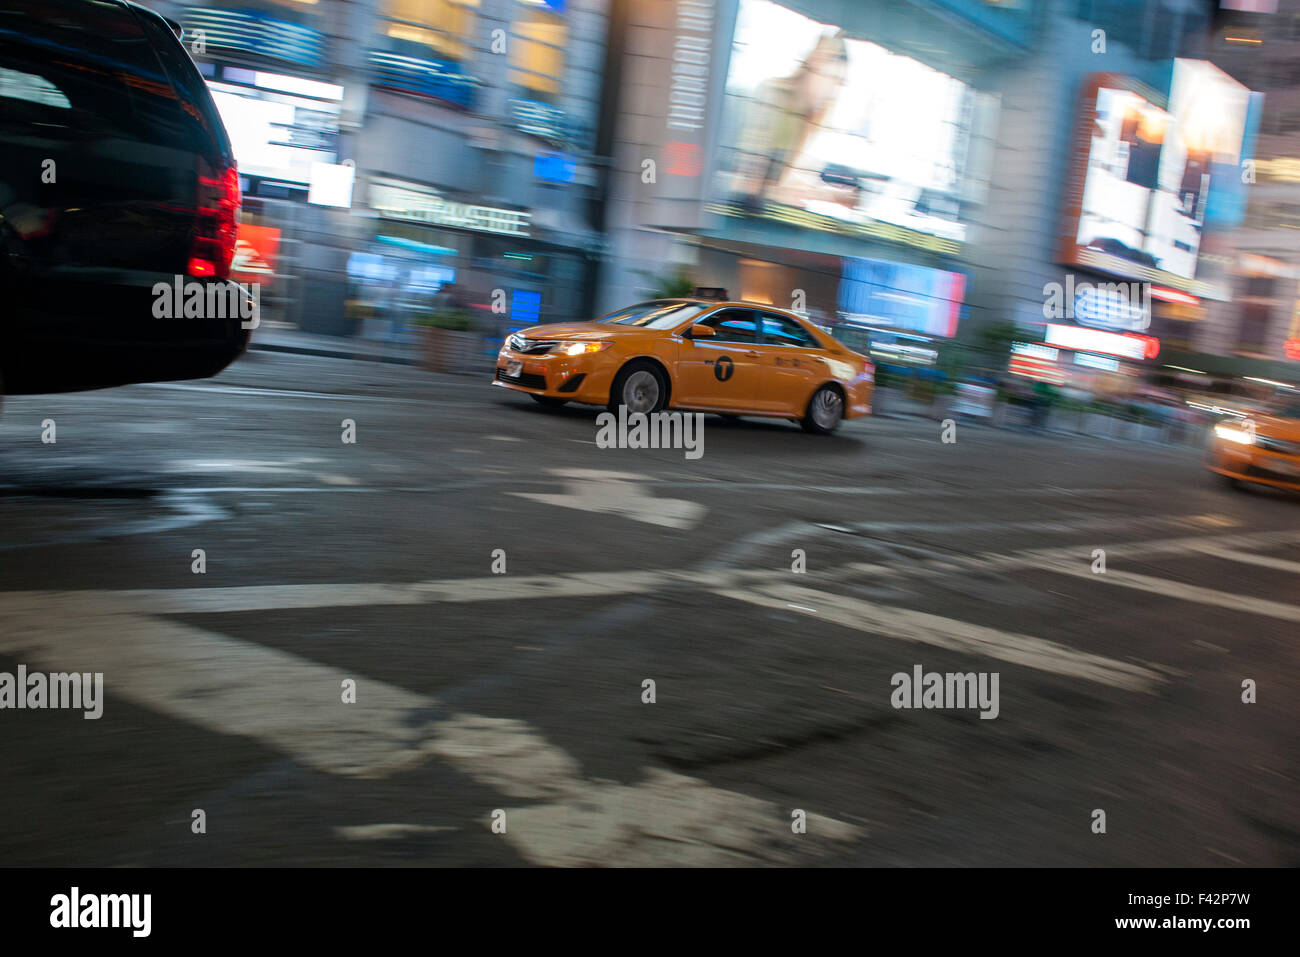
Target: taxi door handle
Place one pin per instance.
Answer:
(751, 354)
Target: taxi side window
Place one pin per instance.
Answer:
(780, 331)
(733, 325)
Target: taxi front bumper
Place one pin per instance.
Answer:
(577, 378)
(1250, 463)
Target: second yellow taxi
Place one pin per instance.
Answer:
(1261, 448)
(703, 355)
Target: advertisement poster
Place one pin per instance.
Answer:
(1148, 171)
(819, 123)
(256, 250)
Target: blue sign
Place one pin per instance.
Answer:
(525, 308)
(1226, 206)
(555, 167)
(438, 79)
(252, 31)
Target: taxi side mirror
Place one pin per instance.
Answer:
(703, 332)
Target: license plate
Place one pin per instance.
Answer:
(513, 368)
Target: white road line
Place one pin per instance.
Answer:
(173, 601)
(1180, 590)
(1248, 558)
(386, 832)
(454, 590)
(904, 624)
(608, 584)
(294, 706)
(257, 391)
(1008, 561)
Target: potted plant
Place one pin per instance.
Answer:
(448, 343)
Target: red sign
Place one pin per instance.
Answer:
(682, 159)
(256, 250)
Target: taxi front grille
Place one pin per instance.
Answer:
(531, 347)
(1280, 446)
(526, 379)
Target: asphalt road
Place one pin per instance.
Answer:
(522, 692)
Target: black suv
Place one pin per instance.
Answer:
(116, 177)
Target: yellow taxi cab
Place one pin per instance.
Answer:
(1263, 448)
(697, 354)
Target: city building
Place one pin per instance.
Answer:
(1259, 44)
(928, 169)
(388, 148)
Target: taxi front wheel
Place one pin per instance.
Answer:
(825, 411)
(640, 386)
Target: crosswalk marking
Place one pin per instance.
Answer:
(294, 706)
(1180, 590)
(1249, 558)
(556, 815)
(1081, 553)
(905, 624)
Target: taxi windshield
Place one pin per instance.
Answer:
(658, 314)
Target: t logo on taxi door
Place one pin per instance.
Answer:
(723, 368)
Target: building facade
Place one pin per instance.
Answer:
(932, 168)
(388, 148)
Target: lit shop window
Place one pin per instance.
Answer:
(537, 47)
(443, 27)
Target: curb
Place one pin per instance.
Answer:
(328, 353)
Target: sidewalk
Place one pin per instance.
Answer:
(893, 403)
(267, 339)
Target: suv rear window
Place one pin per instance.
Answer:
(91, 68)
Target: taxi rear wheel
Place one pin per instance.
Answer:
(549, 402)
(640, 386)
(825, 411)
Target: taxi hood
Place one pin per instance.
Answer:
(1277, 427)
(575, 330)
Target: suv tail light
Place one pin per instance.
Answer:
(213, 249)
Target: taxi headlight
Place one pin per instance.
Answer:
(582, 348)
(1232, 433)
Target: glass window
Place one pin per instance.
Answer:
(1254, 324)
(657, 314)
(783, 331)
(82, 70)
(733, 325)
(1261, 286)
(444, 27)
(857, 339)
(537, 51)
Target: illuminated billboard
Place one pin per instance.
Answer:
(821, 130)
(279, 126)
(894, 295)
(1141, 186)
(1213, 113)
